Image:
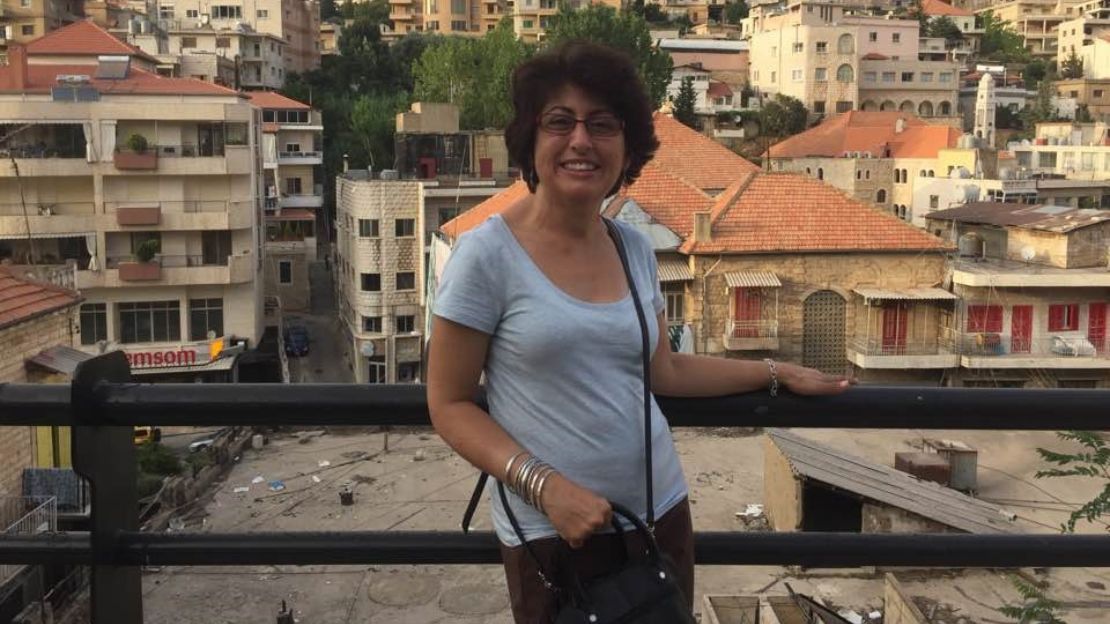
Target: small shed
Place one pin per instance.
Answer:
(809, 486)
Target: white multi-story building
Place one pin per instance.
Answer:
(146, 188)
(379, 275)
(1078, 151)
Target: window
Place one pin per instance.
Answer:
(880, 197)
(227, 11)
(872, 36)
(223, 42)
(405, 280)
(819, 108)
(404, 227)
(192, 13)
(797, 47)
(1063, 317)
(984, 318)
(405, 323)
(459, 25)
(262, 13)
(372, 324)
(376, 373)
(188, 42)
(870, 76)
(368, 228)
(774, 76)
(149, 321)
(822, 47)
(934, 201)
(845, 44)
(1097, 93)
(926, 76)
(844, 73)
(820, 74)
(371, 282)
(946, 76)
(888, 76)
(527, 23)
(820, 173)
(293, 147)
(675, 297)
(796, 75)
(165, 12)
(285, 272)
(27, 29)
(25, 3)
(206, 316)
(896, 37)
(843, 106)
(94, 323)
(907, 76)
(293, 186)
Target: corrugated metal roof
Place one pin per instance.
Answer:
(906, 294)
(674, 271)
(60, 359)
(752, 279)
(816, 461)
(1034, 217)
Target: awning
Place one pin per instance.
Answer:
(45, 235)
(752, 279)
(674, 271)
(293, 214)
(60, 359)
(221, 364)
(906, 294)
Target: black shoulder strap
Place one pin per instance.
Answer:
(476, 496)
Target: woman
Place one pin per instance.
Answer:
(536, 298)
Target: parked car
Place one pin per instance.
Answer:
(296, 341)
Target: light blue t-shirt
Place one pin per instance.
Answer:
(563, 376)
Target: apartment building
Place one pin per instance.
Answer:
(379, 276)
(1036, 21)
(876, 158)
(530, 18)
(835, 59)
(1034, 289)
(964, 19)
(292, 180)
(1073, 151)
(229, 57)
(1093, 88)
(328, 40)
(296, 23)
(726, 61)
(148, 185)
(27, 20)
(756, 264)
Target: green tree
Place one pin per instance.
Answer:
(1072, 67)
(946, 29)
(1000, 42)
(1091, 460)
(473, 74)
(653, 14)
(373, 122)
(328, 9)
(684, 104)
(1083, 114)
(1006, 119)
(782, 116)
(735, 11)
(1034, 72)
(915, 12)
(1040, 110)
(1035, 606)
(626, 32)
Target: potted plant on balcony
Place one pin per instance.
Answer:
(137, 156)
(144, 268)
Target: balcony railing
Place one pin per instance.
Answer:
(289, 155)
(25, 516)
(102, 406)
(172, 260)
(1073, 345)
(47, 209)
(878, 346)
(753, 329)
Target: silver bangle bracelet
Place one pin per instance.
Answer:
(509, 465)
(774, 385)
(539, 489)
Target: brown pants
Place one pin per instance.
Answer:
(603, 553)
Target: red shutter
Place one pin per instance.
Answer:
(994, 319)
(976, 318)
(1063, 317)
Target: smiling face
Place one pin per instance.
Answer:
(578, 166)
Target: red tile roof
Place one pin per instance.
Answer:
(83, 39)
(793, 213)
(873, 132)
(669, 199)
(477, 215)
(22, 300)
(718, 89)
(273, 99)
(937, 8)
(696, 158)
(40, 78)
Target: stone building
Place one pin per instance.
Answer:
(780, 265)
(379, 276)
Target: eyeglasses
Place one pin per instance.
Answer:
(599, 125)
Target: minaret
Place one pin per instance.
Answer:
(984, 111)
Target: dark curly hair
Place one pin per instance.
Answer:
(607, 75)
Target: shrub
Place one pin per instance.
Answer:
(148, 249)
(157, 459)
(137, 143)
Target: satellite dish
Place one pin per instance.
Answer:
(367, 349)
(1028, 253)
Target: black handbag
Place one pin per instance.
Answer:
(643, 591)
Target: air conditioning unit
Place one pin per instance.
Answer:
(204, 19)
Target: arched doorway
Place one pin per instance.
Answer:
(888, 106)
(869, 106)
(823, 320)
(907, 107)
(925, 109)
(945, 109)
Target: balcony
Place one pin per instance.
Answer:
(904, 355)
(127, 160)
(187, 159)
(303, 200)
(300, 158)
(45, 150)
(752, 336)
(48, 219)
(171, 270)
(105, 395)
(25, 516)
(188, 215)
(1062, 350)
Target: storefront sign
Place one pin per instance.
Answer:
(185, 355)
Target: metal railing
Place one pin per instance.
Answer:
(1069, 344)
(102, 394)
(181, 205)
(26, 516)
(909, 346)
(48, 209)
(189, 150)
(171, 260)
(753, 329)
(314, 154)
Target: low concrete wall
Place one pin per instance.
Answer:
(898, 608)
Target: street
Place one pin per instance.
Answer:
(325, 362)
